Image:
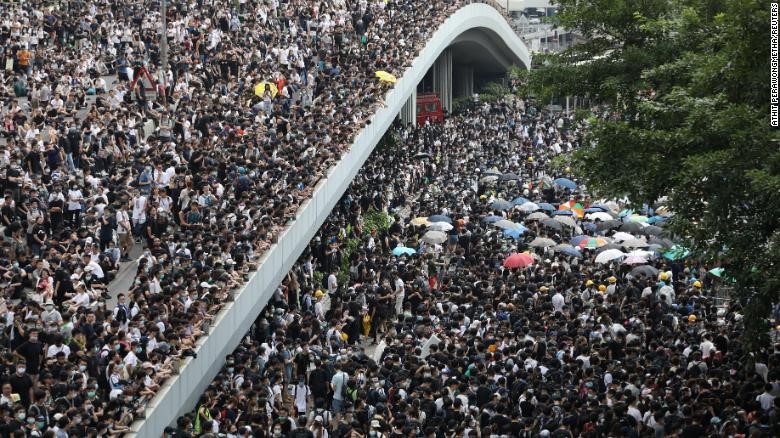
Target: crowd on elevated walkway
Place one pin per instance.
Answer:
(460, 289)
(197, 168)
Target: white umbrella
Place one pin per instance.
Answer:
(634, 243)
(537, 216)
(620, 236)
(542, 242)
(434, 237)
(566, 220)
(507, 224)
(609, 255)
(640, 253)
(599, 216)
(440, 226)
(634, 260)
(528, 207)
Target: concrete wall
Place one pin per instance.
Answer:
(180, 393)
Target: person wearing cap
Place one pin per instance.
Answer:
(612, 286)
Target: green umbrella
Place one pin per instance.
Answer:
(677, 252)
(718, 272)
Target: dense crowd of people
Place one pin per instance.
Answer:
(387, 330)
(197, 168)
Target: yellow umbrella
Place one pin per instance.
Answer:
(420, 221)
(260, 89)
(386, 77)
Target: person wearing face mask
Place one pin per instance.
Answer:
(32, 352)
(277, 432)
(17, 422)
(22, 384)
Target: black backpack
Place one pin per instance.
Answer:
(121, 314)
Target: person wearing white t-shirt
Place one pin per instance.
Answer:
(558, 302)
(706, 346)
(59, 347)
(333, 283)
(75, 198)
(81, 299)
(131, 360)
(301, 393)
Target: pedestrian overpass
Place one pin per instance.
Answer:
(476, 39)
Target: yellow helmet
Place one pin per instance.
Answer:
(697, 284)
(612, 280)
(344, 337)
(602, 288)
(691, 318)
(530, 159)
(663, 276)
(589, 283)
(318, 294)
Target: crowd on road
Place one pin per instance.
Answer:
(196, 168)
(491, 301)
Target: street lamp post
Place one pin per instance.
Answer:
(164, 46)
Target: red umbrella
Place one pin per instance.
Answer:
(518, 260)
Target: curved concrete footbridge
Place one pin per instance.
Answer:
(474, 40)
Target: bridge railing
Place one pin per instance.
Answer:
(180, 393)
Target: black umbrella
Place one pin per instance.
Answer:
(509, 177)
(646, 270)
(552, 223)
(631, 227)
(609, 225)
(664, 242)
(609, 246)
(651, 230)
(423, 155)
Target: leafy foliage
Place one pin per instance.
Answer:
(686, 82)
(375, 220)
(493, 92)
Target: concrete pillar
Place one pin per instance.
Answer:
(442, 78)
(408, 113)
(463, 81)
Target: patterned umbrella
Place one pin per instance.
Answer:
(593, 243)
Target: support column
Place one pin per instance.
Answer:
(408, 113)
(442, 78)
(463, 80)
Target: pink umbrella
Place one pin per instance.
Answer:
(518, 260)
(634, 260)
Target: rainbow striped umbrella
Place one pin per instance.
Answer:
(592, 243)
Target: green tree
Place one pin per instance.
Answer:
(687, 85)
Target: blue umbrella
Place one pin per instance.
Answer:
(563, 213)
(492, 218)
(589, 226)
(514, 233)
(657, 219)
(402, 250)
(626, 212)
(546, 206)
(568, 250)
(520, 200)
(566, 183)
(439, 218)
(578, 239)
(593, 209)
(500, 204)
